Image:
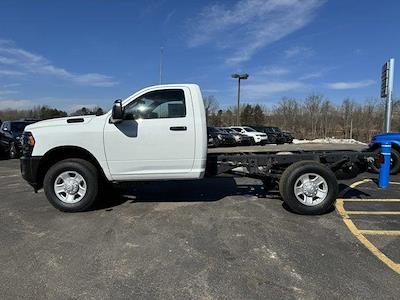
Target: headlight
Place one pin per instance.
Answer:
(28, 142)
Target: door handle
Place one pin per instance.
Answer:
(178, 128)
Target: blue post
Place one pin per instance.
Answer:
(384, 171)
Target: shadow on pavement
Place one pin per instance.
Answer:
(353, 192)
(205, 190)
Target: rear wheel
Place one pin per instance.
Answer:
(394, 162)
(308, 187)
(72, 185)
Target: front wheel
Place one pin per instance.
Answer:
(308, 187)
(72, 185)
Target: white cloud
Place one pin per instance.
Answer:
(274, 71)
(11, 73)
(15, 104)
(26, 62)
(7, 61)
(350, 84)
(249, 25)
(7, 92)
(95, 79)
(169, 17)
(10, 85)
(311, 75)
(298, 51)
(261, 89)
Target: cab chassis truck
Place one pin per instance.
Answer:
(160, 133)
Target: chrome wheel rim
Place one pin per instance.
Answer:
(311, 189)
(70, 187)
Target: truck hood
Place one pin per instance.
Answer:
(68, 121)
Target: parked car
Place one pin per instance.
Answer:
(273, 137)
(259, 137)
(218, 138)
(241, 139)
(10, 136)
(289, 137)
(275, 134)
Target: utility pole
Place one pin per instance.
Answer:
(161, 62)
(386, 91)
(239, 77)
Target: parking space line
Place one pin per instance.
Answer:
(364, 212)
(381, 232)
(359, 234)
(353, 229)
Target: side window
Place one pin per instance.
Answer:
(157, 104)
(5, 126)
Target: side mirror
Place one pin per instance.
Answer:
(117, 112)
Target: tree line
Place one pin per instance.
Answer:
(46, 112)
(310, 118)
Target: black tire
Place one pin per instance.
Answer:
(86, 170)
(288, 181)
(12, 151)
(394, 165)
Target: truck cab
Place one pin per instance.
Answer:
(159, 134)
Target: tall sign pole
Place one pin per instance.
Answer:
(386, 91)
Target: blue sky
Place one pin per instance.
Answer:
(72, 53)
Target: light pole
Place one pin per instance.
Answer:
(239, 77)
(161, 63)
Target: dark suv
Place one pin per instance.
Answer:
(218, 138)
(275, 134)
(10, 135)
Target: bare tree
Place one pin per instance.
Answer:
(211, 105)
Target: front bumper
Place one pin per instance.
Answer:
(29, 170)
(260, 139)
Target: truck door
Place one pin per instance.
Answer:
(156, 140)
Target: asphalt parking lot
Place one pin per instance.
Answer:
(217, 238)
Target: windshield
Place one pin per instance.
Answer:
(18, 126)
(249, 129)
(213, 130)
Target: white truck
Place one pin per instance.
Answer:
(159, 133)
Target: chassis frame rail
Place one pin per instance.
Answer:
(346, 164)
